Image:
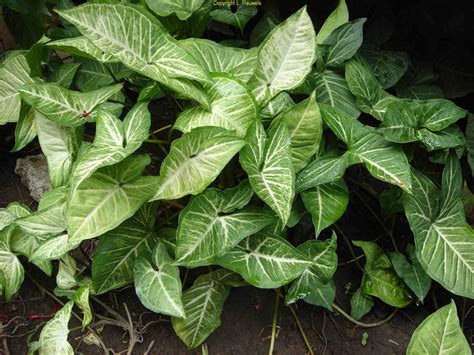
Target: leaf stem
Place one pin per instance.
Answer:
(349, 245)
(361, 324)
(162, 129)
(274, 323)
(156, 141)
(300, 327)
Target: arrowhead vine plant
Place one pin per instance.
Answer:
(263, 137)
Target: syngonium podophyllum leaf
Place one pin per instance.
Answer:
(24, 130)
(388, 66)
(81, 299)
(361, 304)
(215, 221)
(383, 160)
(324, 257)
(265, 261)
(380, 280)
(195, 160)
(93, 75)
(157, 283)
(215, 57)
(203, 304)
(66, 277)
(470, 141)
(323, 295)
(82, 47)
(420, 92)
(14, 74)
(60, 145)
(114, 258)
(262, 29)
(338, 17)
(233, 107)
(108, 197)
(408, 120)
(182, 8)
(12, 212)
(275, 106)
(53, 337)
(268, 163)
(343, 43)
(114, 141)
(444, 241)
(285, 57)
(64, 74)
(238, 18)
(440, 333)
(305, 130)
(115, 28)
(411, 272)
(326, 203)
(371, 97)
(11, 270)
(63, 106)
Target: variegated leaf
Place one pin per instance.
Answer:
(182, 8)
(11, 270)
(195, 160)
(82, 47)
(237, 18)
(338, 17)
(64, 74)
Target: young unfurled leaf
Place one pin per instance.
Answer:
(182, 8)
(157, 283)
(387, 66)
(203, 304)
(444, 241)
(112, 266)
(361, 304)
(343, 43)
(238, 18)
(215, 57)
(215, 221)
(326, 203)
(265, 261)
(411, 272)
(11, 270)
(268, 163)
(108, 197)
(371, 97)
(114, 29)
(324, 257)
(60, 145)
(338, 17)
(66, 278)
(195, 160)
(233, 107)
(304, 129)
(14, 74)
(380, 280)
(285, 57)
(114, 141)
(440, 333)
(63, 106)
(53, 337)
(81, 299)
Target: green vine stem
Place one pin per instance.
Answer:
(274, 322)
(361, 324)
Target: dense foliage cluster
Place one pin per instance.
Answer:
(272, 124)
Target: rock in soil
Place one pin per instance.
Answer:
(33, 171)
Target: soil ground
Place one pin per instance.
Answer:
(246, 320)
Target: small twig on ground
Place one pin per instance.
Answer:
(162, 129)
(300, 327)
(274, 322)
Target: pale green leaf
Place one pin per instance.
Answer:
(215, 221)
(411, 272)
(14, 74)
(81, 299)
(323, 170)
(63, 106)
(215, 57)
(11, 270)
(343, 43)
(203, 304)
(268, 163)
(238, 18)
(444, 241)
(233, 107)
(64, 74)
(52, 248)
(305, 128)
(108, 197)
(157, 283)
(326, 203)
(265, 261)
(114, 258)
(25, 130)
(361, 304)
(82, 47)
(275, 106)
(67, 276)
(195, 160)
(324, 257)
(338, 17)
(182, 8)
(440, 333)
(285, 57)
(114, 141)
(53, 337)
